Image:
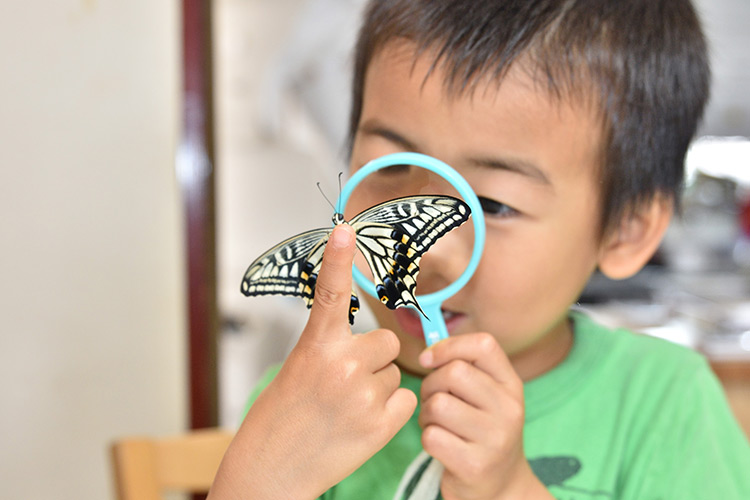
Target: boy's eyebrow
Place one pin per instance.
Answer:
(518, 166)
(522, 167)
(372, 127)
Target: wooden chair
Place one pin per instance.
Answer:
(145, 468)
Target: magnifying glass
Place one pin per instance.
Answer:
(433, 325)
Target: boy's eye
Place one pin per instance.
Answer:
(495, 208)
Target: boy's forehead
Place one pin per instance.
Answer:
(427, 63)
(423, 63)
(402, 58)
(403, 85)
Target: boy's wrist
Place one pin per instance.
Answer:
(527, 486)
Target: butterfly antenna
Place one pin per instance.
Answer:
(338, 209)
(324, 196)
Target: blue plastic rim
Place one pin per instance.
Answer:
(433, 326)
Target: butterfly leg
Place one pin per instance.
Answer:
(307, 280)
(353, 307)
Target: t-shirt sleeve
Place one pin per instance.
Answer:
(698, 449)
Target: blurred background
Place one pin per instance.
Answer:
(98, 290)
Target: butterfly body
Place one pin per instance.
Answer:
(392, 236)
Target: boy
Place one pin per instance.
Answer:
(570, 119)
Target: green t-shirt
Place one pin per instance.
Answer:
(624, 416)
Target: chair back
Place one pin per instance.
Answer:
(145, 468)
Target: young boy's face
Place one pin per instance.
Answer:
(537, 158)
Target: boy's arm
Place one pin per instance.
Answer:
(335, 402)
(472, 418)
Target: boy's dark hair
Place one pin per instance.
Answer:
(643, 63)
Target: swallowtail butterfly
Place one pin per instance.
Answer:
(392, 236)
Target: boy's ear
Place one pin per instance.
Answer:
(629, 247)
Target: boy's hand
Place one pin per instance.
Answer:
(335, 402)
(472, 418)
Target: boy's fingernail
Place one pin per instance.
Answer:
(340, 238)
(426, 358)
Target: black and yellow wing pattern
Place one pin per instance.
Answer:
(392, 236)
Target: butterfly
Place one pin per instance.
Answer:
(392, 236)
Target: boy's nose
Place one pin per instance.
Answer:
(444, 262)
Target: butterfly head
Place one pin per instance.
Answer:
(338, 218)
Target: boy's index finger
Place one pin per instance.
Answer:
(480, 349)
(333, 287)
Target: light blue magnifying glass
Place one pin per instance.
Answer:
(433, 325)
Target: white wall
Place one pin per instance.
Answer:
(91, 285)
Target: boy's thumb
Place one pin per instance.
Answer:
(333, 287)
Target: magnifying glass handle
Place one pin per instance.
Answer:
(434, 328)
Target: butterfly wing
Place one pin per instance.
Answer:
(394, 235)
(291, 268)
(277, 271)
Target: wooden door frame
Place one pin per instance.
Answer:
(195, 166)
